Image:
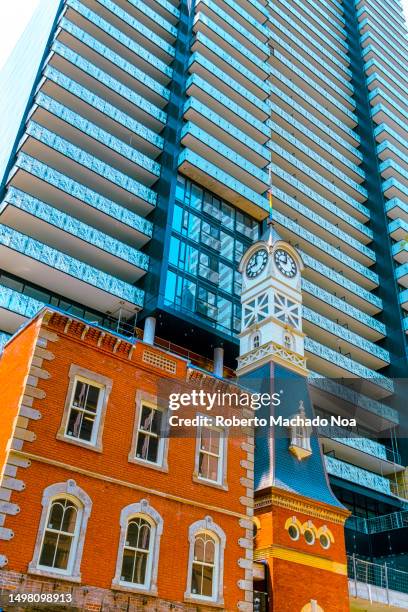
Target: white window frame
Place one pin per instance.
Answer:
(143, 510)
(74, 540)
(147, 399)
(80, 374)
(68, 490)
(207, 526)
(221, 481)
(95, 426)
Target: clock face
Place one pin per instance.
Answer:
(256, 263)
(285, 263)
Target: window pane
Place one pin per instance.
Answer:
(55, 551)
(80, 425)
(62, 552)
(202, 580)
(134, 566)
(48, 549)
(227, 246)
(209, 556)
(92, 398)
(210, 440)
(227, 215)
(69, 520)
(56, 514)
(196, 196)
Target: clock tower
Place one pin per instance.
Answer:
(300, 523)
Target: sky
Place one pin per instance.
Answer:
(15, 15)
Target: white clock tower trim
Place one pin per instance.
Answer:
(271, 328)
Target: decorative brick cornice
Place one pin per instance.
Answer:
(290, 501)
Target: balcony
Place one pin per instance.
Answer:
(235, 27)
(394, 87)
(336, 394)
(31, 176)
(222, 184)
(377, 64)
(246, 20)
(339, 338)
(112, 63)
(352, 473)
(209, 121)
(377, 83)
(314, 144)
(341, 311)
(336, 283)
(400, 251)
(295, 116)
(388, 151)
(304, 16)
(93, 139)
(362, 452)
(90, 106)
(55, 228)
(337, 123)
(297, 189)
(403, 298)
(314, 68)
(401, 272)
(382, 114)
(52, 150)
(159, 20)
(15, 309)
(283, 23)
(391, 168)
(313, 159)
(379, 96)
(376, 586)
(230, 45)
(221, 156)
(165, 8)
(152, 56)
(106, 87)
(109, 12)
(397, 209)
(394, 189)
(341, 110)
(333, 364)
(323, 229)
(370, 34)
(325, 252)
(200, 65)
(66, 275)
(227, 63)
(197, 87)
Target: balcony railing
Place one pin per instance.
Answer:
(376, 574)
(358, 475)
(378, 524)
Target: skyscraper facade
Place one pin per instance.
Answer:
(140, 142)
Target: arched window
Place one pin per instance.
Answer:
(205, 565)
(256, 341)
(137, 552)
(139, 547)
(206, 562)
(61, 533)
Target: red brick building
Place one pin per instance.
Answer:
(95, 502)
